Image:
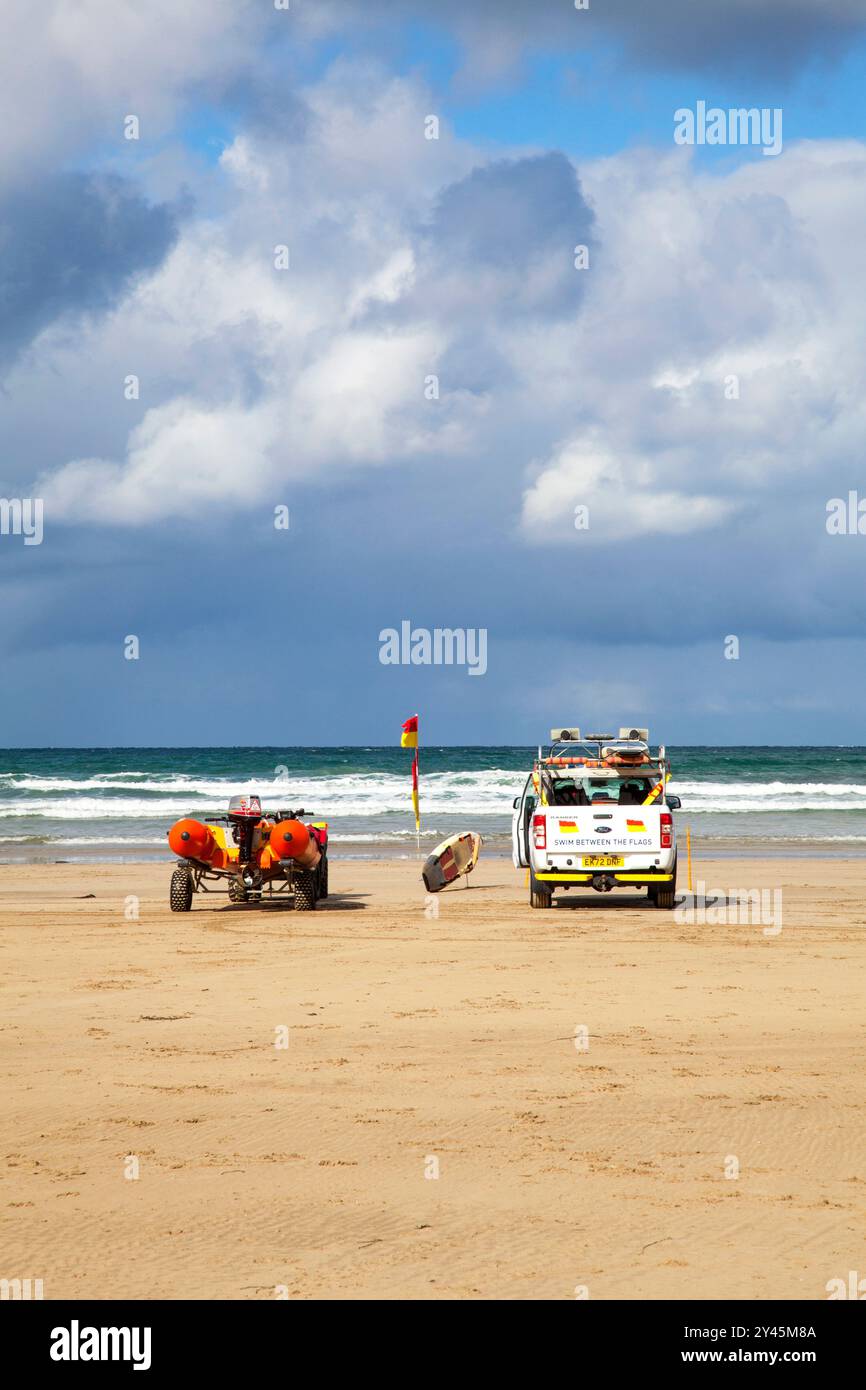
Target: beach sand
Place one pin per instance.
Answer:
(413, 1039)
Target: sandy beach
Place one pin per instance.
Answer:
(417, 1042)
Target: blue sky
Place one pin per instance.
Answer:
(608, 387)
(587, 102)
(591, 103)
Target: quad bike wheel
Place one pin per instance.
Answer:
(323, 877)
(180, 892)
(237, 891)
(305, 893)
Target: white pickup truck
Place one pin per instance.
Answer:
(594, 814)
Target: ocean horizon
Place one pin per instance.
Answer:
(117, 803)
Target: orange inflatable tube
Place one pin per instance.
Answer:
(189, 839)
(290, 839)
(571, 762)
(207, 844)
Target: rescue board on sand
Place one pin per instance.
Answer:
(452, 859)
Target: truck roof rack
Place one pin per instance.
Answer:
(570, 733)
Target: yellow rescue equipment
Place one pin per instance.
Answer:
(656, 790)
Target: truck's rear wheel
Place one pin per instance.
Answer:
(665, 893)
(180, 892)
(305, 893)
(539, 896)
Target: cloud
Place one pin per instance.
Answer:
(340, 348)
(719, 351)
(413, 259)
(72, 245)
(623, 496)
(767, 39)
(758, 38)
(188, 458)
(325, 378)
(74, 239)
(605, 386)
(501, 240)
(180, 458)
(73, 72)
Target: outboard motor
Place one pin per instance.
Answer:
(244, 814)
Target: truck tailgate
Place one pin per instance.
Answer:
(591, 830)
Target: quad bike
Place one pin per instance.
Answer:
(255, 852)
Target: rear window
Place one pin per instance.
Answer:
(584, 791)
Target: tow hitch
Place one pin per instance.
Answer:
(602, 883)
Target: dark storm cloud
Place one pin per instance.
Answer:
(505, 214)
(503, 240)
(73, 244)
(760, 38)
(756, 37)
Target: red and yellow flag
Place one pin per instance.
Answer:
(409, 739)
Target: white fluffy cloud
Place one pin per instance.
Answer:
(623, 497)
(72, 72)
(718, 359)
(289, 375)
(607, 387)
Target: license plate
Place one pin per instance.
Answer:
(601, 861)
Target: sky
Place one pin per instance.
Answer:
(438, 286)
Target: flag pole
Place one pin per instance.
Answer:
(410, 739)
(418, 787)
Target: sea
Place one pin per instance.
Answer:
(72, 804)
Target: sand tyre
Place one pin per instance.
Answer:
(539, 896)
(180, 892)
(323, 877)
(237, 891)
(305, 893)
(665, 894)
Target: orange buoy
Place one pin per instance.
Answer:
(189, 839)
(290, 839)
